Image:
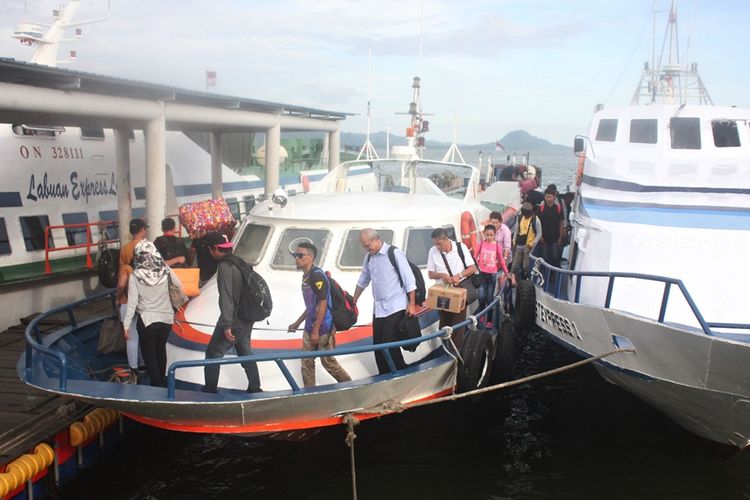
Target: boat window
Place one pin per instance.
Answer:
(252, 242)
(685, 133)
(353, 253)
(418, 244)
(234, 207)
(32, 228)
(288, 243)
(110, 230)
(37, 131)
(75, 235)
(607, 130)
(643, 131)
(726, 134)
(4, 241)
(92, 133)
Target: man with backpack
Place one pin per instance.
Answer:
(526, 233)
(319, 331)
(231, 329)
(552, 220)
(393, 300)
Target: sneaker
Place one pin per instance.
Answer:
(210, 390)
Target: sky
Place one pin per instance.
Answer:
(487, 66)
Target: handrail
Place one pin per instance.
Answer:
(612, 275)
(33, 340)
(89, 242)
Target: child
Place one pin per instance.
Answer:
(489, 257)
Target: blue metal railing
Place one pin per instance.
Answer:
(555, 288)
(34, 343)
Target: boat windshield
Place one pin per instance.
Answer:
(412, 176)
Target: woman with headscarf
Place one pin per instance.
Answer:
(148, 296)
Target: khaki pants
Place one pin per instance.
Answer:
(325, 343)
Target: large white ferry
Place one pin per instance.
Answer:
(59, 183)
(660, 223)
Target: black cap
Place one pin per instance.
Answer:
(136, 225)
(219, 240)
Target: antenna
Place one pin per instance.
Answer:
(367, 148)
(421, 17)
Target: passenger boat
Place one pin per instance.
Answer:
(661, 216)
(398, 198)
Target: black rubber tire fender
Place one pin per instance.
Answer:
(108, 266)
(505, 352)
(525, 305)
(477, 352)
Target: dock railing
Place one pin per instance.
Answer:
(88, 244)
(34, 343)
(556, 288)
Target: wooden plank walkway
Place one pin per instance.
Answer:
(28, 416)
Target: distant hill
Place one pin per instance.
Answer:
(517, 141)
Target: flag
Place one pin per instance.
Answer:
(498, 146)
(210, 78)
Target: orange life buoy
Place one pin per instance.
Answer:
(305, 183)
(468, 230)
(579, 170)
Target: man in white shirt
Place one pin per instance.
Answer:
(444, 264)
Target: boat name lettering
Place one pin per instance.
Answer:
(556, 322)
(78, 189)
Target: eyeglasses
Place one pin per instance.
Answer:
(298, 255)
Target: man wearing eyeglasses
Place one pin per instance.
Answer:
(392, 301)
(319, 329)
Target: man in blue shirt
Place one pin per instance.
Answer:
(319, 329)
(392, 301)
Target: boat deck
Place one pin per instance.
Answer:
(29, 416)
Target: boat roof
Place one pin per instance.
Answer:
(361, 208)
(673, 110)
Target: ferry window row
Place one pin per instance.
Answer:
(254, 240)
(50, 132)
(684, 132)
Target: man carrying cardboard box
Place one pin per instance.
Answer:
(445, 265)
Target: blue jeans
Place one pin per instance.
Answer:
(486, 291)
(218, 347)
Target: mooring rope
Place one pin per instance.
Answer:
(391, 406)
(350, 421)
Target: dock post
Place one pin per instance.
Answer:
(217, 187)
(156, 174)
(334, 148)
(273, 145)
(124, 202)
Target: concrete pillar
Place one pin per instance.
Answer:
(334, 146)
(124, 201)
(156, 176)
(217, 189)
(273, 145)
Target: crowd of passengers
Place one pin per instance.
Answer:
(147, 313)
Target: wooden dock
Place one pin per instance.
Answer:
(29, 416)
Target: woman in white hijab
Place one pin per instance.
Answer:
(148, 296)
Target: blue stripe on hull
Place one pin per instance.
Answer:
(667, 215)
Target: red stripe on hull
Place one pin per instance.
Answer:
(270, 427)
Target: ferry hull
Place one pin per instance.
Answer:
(702, 382)
(256, 414)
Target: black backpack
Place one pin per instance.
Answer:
(420, 293)
(343, 308)
(255, 302)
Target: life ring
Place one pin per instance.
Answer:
(579, 170)
(305, 183)
(468, 230)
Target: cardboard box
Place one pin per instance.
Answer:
(446, 298)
